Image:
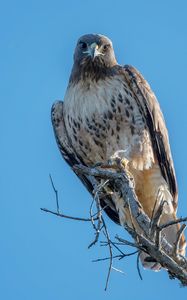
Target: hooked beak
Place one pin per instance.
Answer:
(93, 51)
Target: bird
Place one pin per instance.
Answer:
(109, 111)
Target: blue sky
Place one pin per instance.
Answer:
(42, 256)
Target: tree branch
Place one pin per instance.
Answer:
(68, 217)
(149, 238)
(162, 251)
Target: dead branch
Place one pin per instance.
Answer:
(110, 252)
(151, 240)
(176, 244)
(180, 220)
(96, 200)
(138, 265)
(66, 216)
(156, 219)
(119, 256)
(160, 250)
(56, 193)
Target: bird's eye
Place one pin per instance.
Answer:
(83, 45)
(106, 46)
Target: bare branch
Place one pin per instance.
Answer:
(96, 199)
(119, 256)
(179, 235)
(156, 219)
(138, 265)
(177, 221)
(163, 255)
(55, 191)
(118, 270)
(66, 216)
(149, 237)
(125, 242)
(110, 251)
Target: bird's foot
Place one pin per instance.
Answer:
(118, 163)
(121, 165)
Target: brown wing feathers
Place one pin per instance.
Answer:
(156, 125)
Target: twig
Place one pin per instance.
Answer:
(67, 217)
(177, 221)
(101, 210)
(125, 242)
(154, 207)
(98, 213)
(179, 235)
(110, 251)
(56, 193)
(91, 214)
(156, 218)
(118, 249)
(117, 270)
(105, 258)
(155, 232)
(138, 265)
(119, 256)
(98, 227)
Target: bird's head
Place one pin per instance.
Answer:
(94, 53)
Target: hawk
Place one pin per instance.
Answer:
(110, 111)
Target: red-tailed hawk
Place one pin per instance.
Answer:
(109, 110)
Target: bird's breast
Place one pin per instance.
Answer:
(103, 118)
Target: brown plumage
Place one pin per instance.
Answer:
(108, 111)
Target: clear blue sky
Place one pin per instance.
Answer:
(42, 256)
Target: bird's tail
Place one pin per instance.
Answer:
(170, 233)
